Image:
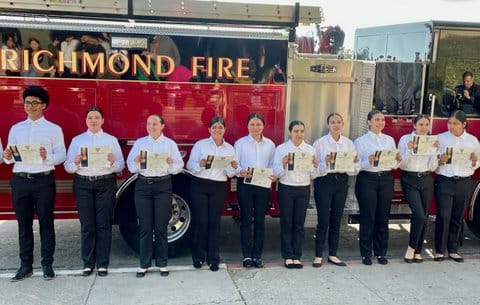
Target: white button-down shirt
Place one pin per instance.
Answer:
(368, 144)
(89, 139)
(201, 150)
(415, 163)
(1, 150)
(327, 144)
(162, 144)
(295, 177)
(43, 132)
(466, 140)
(249, 152)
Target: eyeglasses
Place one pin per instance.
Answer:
(32, 103)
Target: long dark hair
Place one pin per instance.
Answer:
(459, 115)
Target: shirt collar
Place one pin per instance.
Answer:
(332, 140)
(213, 142)
(97, 134)
(302, 145)
(39, 121)
(374, 135)
(251, 139)
(462, 136)
(158, 140)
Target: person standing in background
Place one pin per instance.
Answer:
(33, 184)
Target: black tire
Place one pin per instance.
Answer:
(473, 213)
(180, 218)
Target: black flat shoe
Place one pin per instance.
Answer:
(288, 266)
(382, 260)
(214, 267)
(418, 260)
(366, 260)
(456, 259)
(298, 265)
(87, 271)
(164, 272)
(258, 263)
(408, 260)
(247, 262)
(197, 265)
(48, 273)
(21, 274)
(316, 265)
(102, 273)
(439, 258)
(141, 273)
(339, 263)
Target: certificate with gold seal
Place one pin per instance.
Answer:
(153, 160)
(94, 156)
(458, 156)
(300, 161)
(386, 158)
(342, 161)
(423, 145)
(26, 153)
(218, 162)
(260, 177)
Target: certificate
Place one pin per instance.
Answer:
(423, 145)
(218, 162)
(153, 160)
(300, 161)
(342, 161)
(26, 153)
(458, 156)
(260, 177)
(385, 158)
(94, 156)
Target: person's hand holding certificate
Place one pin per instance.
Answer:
(458, 156)
(385, 158)
(260, 177)
(218, 162)
(424, 145)
(26, 153)
(94, 156)
(300, 161)
(342, 161)
(150, 160)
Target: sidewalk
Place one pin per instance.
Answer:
(396, 283)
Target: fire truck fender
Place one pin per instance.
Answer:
(473, 212)
(180, 222)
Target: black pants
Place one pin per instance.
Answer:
(208, 198)
(153, 202)
(451, 195)
(30, 196)
(253, 202)
(95, 201)
(374, 194)
(330, 195)
(418, 192)
(293, 209)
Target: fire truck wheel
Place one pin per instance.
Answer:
(473, 213)
(180, 216)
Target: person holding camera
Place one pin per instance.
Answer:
(466, 97)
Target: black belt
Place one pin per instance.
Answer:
(151, 180)
(95, 178)
(454, 178)
(33, 175)
(417, 174)
(382, 173)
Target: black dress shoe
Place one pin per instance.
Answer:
(439, 258)
(418, 260)
(164, 271)
(247, 263)
(21, 274)
(87, 271)
(316, 265)
(288, 266)
(382, 260)
(297, 265)
(408, 260)
(366, 260)
(198, 265)
(258, 263)
(102, 272)
(141, 273)
(214, 267)
(456, 259)
(339, 263)
(48, 273)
